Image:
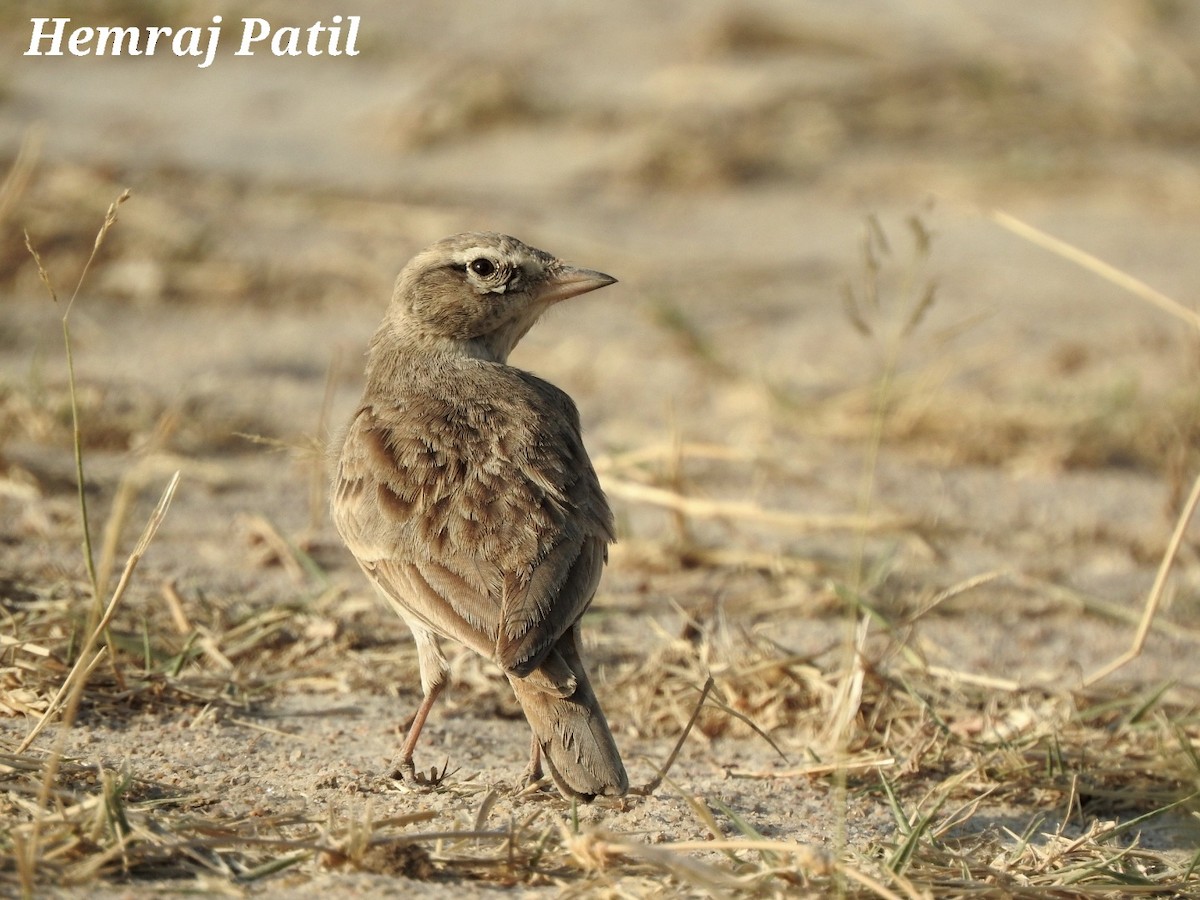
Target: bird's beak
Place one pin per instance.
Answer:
(569, 281)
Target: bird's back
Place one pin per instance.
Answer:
(476, 470)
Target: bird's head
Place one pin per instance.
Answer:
(477, 294)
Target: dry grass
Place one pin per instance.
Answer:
(950, 755)
(961, 760)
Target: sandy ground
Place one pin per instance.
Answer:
(721, 164)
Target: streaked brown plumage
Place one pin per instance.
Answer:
(465, 493)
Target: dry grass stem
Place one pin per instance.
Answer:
(1111, 273)
(1154, 598)
(76, 679)
(175, 603)
(854, 765)
(110, 219)
(16, 180)
(749, 512)
(992, 682)
(669, 451)
(652, 785)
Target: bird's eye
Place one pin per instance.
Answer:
(483, 267)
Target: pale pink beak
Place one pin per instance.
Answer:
(569, 281)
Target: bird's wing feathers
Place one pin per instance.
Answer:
(558, 590)
(482, 517)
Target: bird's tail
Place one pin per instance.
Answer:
(576, 744)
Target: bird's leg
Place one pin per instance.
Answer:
(434, 673)
(533, 772)
(414, 734)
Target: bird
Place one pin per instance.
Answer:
(465, 493)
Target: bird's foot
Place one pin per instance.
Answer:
(407, 771)
(533, 773)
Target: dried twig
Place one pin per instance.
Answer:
(652, 785)
(1111, 273)
(1154, 598)
(73, 684)
(725, 509)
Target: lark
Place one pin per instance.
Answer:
(465, 493)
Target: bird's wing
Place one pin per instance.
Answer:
(536, 610)
(494, 536)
